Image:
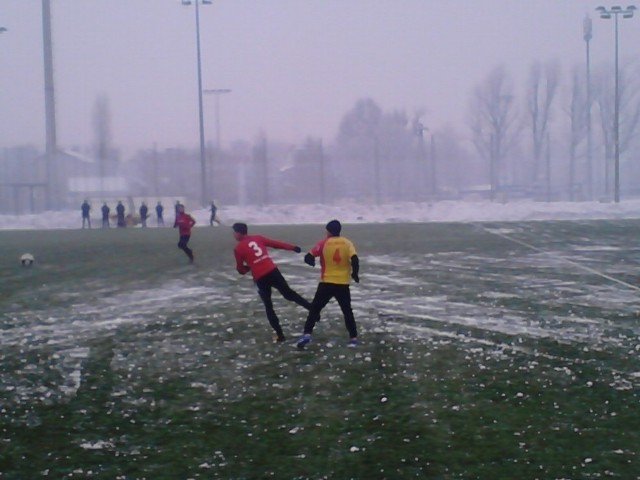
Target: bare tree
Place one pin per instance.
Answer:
(493, 122)
(629, 125)
(357, 144)
(577, 113)
(542, 86)
(375, 152)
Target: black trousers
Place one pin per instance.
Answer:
(274, 279)
(182, 245)
(324, 293)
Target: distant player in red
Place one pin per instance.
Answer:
(252, 256)
(184, 223)
(339, 264)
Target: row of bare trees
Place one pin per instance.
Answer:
(529, 141)
(515, 137)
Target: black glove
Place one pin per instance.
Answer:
(297, 249)
(310, 260)
(355, 268)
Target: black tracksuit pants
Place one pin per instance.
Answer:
(274, 279)
(182, 245)
(324, 293)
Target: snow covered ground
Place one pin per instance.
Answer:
(447, 211)
(483, 333)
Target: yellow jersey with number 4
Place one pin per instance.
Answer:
(335, 259)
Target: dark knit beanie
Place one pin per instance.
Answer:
(334, 228)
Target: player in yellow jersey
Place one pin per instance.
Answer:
(339, 264)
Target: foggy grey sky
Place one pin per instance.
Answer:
(295, 66)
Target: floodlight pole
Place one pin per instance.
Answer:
(51, 142)
(420, 130)
(203, 168)
(588, 35)
(607, 14)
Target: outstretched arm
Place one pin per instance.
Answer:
(269, 242)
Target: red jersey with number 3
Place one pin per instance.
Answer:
(251, 254)
(335, 259)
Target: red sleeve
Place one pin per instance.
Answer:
(316, 251)
(277, 244)
(193, 220)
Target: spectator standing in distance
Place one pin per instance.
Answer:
(144, 214)
(176, 208)
(105, 215)
(159, 210)
(86, 216)
(120, 215)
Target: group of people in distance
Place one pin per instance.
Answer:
(121, 219)
(338, 264)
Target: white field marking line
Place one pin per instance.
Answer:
(489, 343)
(469, 322)
(504, 346)
(564, 259)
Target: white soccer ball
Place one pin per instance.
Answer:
(27, 260)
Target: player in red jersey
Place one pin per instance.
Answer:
(184, 223)
(252, 256)
(339, 264)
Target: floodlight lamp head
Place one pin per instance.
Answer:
(207, 2)
(186, 2)
(616, 8)
(601, 10)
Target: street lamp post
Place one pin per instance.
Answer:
(51, 138)
(420, 130)
(608, 14)
(434, 187)
(203, 168)
(217, 92)
(588, 35)
(492, 166)
(323, 193)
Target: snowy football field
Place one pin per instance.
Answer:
(493, 350)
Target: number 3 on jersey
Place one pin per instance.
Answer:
(256, 249)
